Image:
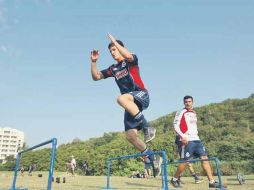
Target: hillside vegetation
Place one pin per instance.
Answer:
(226, 128)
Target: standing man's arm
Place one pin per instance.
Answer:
(96, 74)
(177, 123)
(124, 52)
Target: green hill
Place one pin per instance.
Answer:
(226, 128)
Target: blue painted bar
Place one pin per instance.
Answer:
(192, 161)
(16, 172)
(165, 173)
(52, 163)
(200, 160)
(218, 173)
(53, 155)
(108, 176)
(164, 179)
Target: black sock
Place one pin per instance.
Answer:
(194, 174)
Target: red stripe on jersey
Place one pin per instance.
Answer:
(183, 124)
(134, 71)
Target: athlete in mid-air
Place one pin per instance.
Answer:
(134, 96)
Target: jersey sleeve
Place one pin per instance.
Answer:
(177, 124)
(107, 72)
(135, 60)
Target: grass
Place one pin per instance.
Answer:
(99, 182)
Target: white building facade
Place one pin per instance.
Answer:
(11, 141)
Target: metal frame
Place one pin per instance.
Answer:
(53, 141)
(164, 166)
(200, 160)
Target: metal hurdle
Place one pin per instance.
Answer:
(164, 167)
(52, 160)
(200, 160)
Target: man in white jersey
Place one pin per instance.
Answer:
(185, 124)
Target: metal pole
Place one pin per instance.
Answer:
(165, 173)
(16, 171)
(164, 184)
(162, 177)
(200, 160)
(108, 176)
(53, 154)
(52, 161)
(218, 173)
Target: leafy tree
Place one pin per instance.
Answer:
(227, 130)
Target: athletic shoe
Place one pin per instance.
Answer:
(156, 163)
(198, 180)
(214, 185)
(149, 134)
(175, 183)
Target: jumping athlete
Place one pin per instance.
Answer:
(185, 125)
(134, 96)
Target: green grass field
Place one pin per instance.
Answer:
(99, 182)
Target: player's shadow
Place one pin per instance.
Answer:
(138, 184)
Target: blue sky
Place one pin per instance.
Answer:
(201, 48)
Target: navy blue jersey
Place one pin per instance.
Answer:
(126, 75)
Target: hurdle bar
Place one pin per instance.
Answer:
(164, 166)
(53, 141)
(201, 160)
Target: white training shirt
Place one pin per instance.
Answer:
(185, 124)
(73, 162)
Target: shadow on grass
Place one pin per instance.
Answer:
(139, 185)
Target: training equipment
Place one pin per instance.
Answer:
(52, 160)
(58, 180)
(164, 167)
(216, 160)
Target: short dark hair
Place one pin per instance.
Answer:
(187, 97)
(112, 44)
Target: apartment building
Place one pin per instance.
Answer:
(11, 140)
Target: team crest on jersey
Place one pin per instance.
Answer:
(121, 74)
(187, 154)
(123, 64)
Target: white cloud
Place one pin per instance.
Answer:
(9, 50)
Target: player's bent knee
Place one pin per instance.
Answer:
(120, 100)
(124, 98)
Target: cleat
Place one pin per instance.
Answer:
(214, 185)
(156, 162)
(175, 183)
(149, 134)
(198, 180)
(157, 165)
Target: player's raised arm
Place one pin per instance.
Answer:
(96, 75)
(124, 52)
